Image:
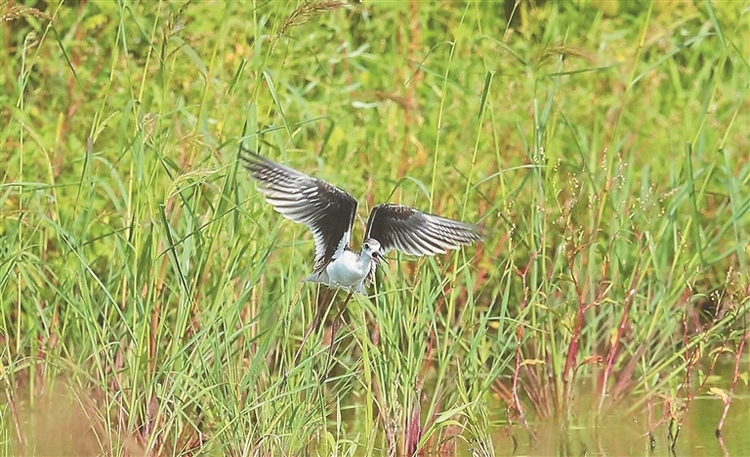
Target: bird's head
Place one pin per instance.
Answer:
(371, 248)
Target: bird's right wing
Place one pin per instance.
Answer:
(327, 210)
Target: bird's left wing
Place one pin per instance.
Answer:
(417, 233)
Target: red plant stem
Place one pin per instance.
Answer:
(608, 366)
(572, 357)
(571, 360)
(413, 426)
(516, 399)
(15, 417)
(728, 401)
(519, 356)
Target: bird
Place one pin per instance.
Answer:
(329, 213)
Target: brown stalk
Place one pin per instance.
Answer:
(613, 350)
(413, 427)
(735, 376)
(517, 406)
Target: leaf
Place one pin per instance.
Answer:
(191, 54)
(532, 362)
(721, 393)
(591, 359)
(448, 415)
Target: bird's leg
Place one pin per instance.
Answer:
(319, 313)
(313, 325)
(334, 329)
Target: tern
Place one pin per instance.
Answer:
(329, 213)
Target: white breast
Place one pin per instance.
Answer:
(348, 270)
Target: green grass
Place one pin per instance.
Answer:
(148, 290)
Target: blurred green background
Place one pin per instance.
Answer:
(147, 291)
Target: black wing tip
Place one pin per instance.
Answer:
(245, 153)
(475, 233)
(250, 158)
(260, 166)
(470, 234)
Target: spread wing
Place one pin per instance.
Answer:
(327, 210)
(417, 233)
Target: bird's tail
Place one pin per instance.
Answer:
(318, 276)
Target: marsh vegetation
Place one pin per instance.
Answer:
(150, 300)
